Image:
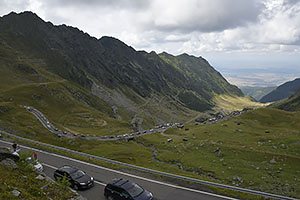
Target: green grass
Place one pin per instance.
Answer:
(23, 179)
(58, 104)
(229, 103)
(246, 154)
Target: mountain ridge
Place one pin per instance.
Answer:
(290, 104)
(283, 91)
(139, 78)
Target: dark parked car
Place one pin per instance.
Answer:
(78, 178)
(120, 189)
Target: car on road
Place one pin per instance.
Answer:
(121, 189)
(78, 179)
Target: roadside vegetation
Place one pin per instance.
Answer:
(24, 183)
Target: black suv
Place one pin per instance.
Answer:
(78, 178)
(120, 189)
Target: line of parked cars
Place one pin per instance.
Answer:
(117, 189)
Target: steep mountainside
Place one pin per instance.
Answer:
(256, 92)
(101, 73)
(290, 104)
(202, 83)
(283, 91)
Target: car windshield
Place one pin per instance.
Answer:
(135, 190)
(77, 174)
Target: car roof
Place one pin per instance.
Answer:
(123, 183)
(68, 169)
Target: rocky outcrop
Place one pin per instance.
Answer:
(5, 154)
(9, 162)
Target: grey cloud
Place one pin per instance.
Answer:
(291, 2)
(206, 15)
(94, 4)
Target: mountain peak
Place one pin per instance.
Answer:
(185, 54)
(25, 14)
(166, 54)
(112, 41)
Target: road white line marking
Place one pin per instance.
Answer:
(50, 166)
(126, 174)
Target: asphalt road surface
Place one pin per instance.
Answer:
(160, 190)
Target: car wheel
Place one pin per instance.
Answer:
(76, 187)
(110, 198)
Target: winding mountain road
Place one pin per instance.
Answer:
(48, 125)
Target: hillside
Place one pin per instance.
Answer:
(19, 181)
(290, 104)
(76, 79)
(256, 92)
(201, 83)
(283, 91)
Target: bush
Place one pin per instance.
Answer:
(35, 192)
(22, 163)
(63, 182)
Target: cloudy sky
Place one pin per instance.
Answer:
(251, 42)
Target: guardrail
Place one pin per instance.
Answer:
(259, 193)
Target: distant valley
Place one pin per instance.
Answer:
(256, 92)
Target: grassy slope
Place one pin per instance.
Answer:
(290, 104)
(67, 105)
(23, 179)
(231, 103)
(246, 150)
(245, 153)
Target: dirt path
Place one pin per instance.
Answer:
(71, 131)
